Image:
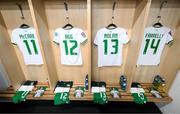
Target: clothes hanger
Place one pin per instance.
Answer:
(68, 25)
(24, 26)
(112, 25)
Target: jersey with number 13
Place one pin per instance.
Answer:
(70, 41)
(153, 45)
(110, 43)
(27, 41)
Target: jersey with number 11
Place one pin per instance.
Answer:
(153, 45)
(27, 41)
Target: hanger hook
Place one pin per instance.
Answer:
(20, 8)
(162, 4)
(66, 9)
(113, 8)
(159, 18)
(160, 8)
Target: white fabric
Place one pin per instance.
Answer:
(27, 41)
(151, 55)
(137, 90)
(102, 89)
(95, 89)
(110, 43)
(61, 89)
(26, 88)
(70, 41)
(98, 89)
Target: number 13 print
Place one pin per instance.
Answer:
(114, 46)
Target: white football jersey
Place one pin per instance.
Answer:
(70, 41)
(110, 43)
(27, 41)
(153, 44)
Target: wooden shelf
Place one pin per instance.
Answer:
(90, 16)
(49, 95)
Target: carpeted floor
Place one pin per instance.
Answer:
(78, 107)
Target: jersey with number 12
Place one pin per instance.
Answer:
(27, 41)
(110, 43)
(70, 41)
(153, 45)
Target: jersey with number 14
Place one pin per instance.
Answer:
(153, 45)
(70, 41)
(27, 41)
(110, 43)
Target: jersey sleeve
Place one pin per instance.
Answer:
(82, 36)
(96, 40)
(56, 37)
(14, 37)
(124, 37)
(169, 37)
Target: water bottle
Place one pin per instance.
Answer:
(86, 82)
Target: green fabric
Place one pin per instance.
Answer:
(61, 98)
(100, 98)
(64, 84)
(80, 88)
(115, 89)
(42, 88)
(20, 96)
(98, 84)
(28, 82)
(139, 98)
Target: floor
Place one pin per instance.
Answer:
(78, 107)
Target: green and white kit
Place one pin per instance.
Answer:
(110, 43)
(138, 95)
(100, 98)
(99, 93)
(70, 41)
(62, 92)
(61, 98)
(79, 92)
(153, 45)
(23, 91)
(27, 41)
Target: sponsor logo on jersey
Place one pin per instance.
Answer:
(56, 34)
(83, 34)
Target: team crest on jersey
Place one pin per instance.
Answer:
(83, 34)
(56, 34)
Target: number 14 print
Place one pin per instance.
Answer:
(153, 43)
